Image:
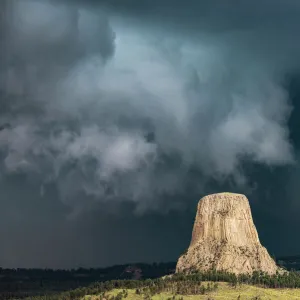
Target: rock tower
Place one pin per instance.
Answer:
(225, 238)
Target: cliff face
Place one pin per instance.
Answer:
(225, 238)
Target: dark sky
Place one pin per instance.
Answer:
(116, 117)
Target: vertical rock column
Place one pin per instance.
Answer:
(225, 238)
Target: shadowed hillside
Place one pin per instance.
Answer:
(29, 282)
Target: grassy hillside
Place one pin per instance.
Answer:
(224, 292)
(208, 285)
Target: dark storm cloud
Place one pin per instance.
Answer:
(111, 109)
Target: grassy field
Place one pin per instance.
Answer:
(224, 292)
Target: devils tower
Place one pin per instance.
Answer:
(225, 238)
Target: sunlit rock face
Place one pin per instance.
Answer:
(225, 238)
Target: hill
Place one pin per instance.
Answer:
(289, 262)
(20, 283)
(213, 284)
(223, 292)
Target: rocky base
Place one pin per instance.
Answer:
(222, 256)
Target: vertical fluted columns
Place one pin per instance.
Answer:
(224, 237)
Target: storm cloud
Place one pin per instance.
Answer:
(135, 111)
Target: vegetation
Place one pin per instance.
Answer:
(21, 283)
(224, 291)
(178, 284)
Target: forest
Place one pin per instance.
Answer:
(35, 283)
(179, 284)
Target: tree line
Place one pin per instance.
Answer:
(180, 284)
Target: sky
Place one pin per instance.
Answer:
(116, 117)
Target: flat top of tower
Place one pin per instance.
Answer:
(226, 194)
